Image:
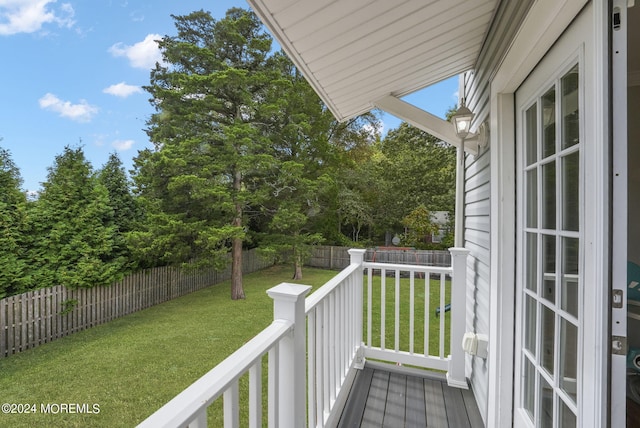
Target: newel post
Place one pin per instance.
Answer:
(288, 304)
(456, 374)
(357, 257)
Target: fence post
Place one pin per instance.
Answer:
(356, 256)
(288, 304)
(456, 374)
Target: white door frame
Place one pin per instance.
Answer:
(544, 24)
(620, 211)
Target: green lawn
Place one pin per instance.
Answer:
(132, 366)
(419, 314)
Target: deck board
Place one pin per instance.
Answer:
(374, 409)
(416, 411)
(357, 399)
(396, 401)
(387, 396)
(454, 404)
(436, 413)
(475, 419)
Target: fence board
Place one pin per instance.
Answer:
(330, 257)
(35, 317)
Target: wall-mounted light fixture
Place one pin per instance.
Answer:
(462, 123)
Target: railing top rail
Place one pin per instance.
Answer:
(407, 267)
(184, 407)
(318, 295)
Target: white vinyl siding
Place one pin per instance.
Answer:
(476, 84)
(477, 241)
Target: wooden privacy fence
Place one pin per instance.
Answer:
(40, 316)
(329, 257)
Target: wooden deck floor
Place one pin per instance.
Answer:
(386, 396)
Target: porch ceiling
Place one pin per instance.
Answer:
(355, 52)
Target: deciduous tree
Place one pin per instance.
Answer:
(417, 169)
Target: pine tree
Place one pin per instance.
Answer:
(209, 140)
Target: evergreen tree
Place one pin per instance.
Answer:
(74, 237)
(124, 214)
(209, 139)
(13, 204)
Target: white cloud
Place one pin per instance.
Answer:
(122, 90)
(28, 16)
(143, 54)
(81, 112)
(122, 145)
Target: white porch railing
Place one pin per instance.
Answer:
(450, 291)
(333, 333)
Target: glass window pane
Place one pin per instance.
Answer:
(568, 358)
(547, 337)
(531, 136)
(529, 388)
(532, 198)
(570, 253)
(549, 268)
(549, 196)
(549, 254)
(546, 404)
(549, 123)
(530, 326)
(571, 192)
(570, 109)
(567, 418)
(532, 262)
(549, 289)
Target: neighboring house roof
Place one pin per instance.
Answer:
(356, 52)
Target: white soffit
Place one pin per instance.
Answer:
(354, 52)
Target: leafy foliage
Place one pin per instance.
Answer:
(14, 276)
(124, 213)
(416, 170)
(74, 237)
(244, 154)
(419, 224)
(208, 139)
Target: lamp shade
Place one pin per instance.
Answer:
(462, 121)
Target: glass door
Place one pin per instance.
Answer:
(549, 253)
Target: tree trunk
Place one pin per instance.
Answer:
(237, 292)
(297, 264)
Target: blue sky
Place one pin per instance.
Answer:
(73, 70)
